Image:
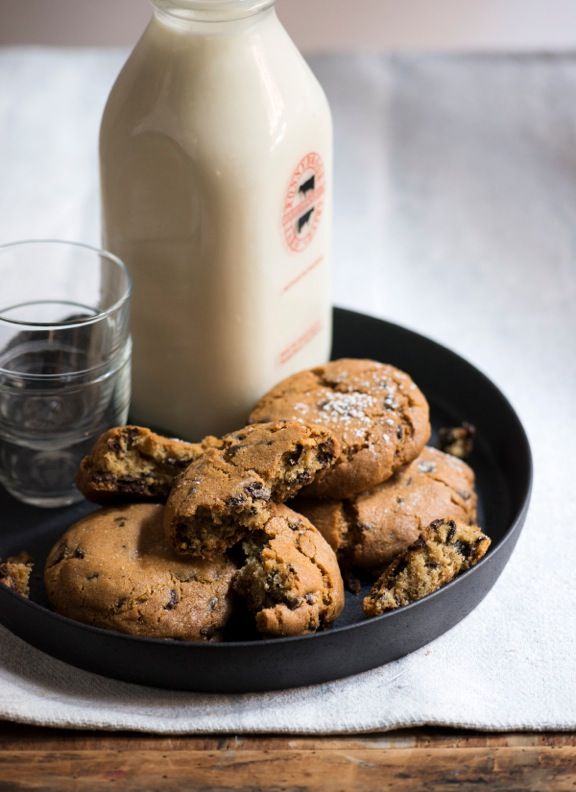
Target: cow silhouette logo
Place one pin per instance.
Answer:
(304, 202)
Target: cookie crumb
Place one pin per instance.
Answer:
(457, 440)
(15, 573)
(352, 583)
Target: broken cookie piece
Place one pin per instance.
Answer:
(15, 573)
(290, 581)
(445, 549)
(133, 463)
(228, 490)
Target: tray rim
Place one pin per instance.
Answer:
(516, 523)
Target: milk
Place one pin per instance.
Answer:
(216, 176)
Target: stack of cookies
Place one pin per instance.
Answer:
(331, 475)
(391, 507)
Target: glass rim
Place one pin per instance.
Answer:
(120, 302)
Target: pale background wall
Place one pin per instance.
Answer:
(320, 24)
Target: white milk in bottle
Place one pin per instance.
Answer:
(216, 176)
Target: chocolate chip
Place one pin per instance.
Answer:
(230, 453)
(103, 478)
(79, 553)
(400, 566)
(292, 458)
(256, 490)
(179, 463)
(172, 600)
(463, 548)
(451, 531)
(62, 554)
(399, 432)
(325, 454)
(212, 603)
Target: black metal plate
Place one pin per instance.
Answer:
(457, 391)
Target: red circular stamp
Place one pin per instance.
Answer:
(304, 202)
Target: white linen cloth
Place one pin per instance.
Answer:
(455, 215)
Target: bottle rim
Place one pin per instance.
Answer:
(211, 10)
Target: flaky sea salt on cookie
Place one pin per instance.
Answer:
(376, 411)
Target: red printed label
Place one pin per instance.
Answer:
(303, 340)
(304, 202)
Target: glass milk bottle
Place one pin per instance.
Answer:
(216, 176)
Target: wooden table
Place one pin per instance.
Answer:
(419, 759)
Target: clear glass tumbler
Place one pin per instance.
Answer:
(64, 362)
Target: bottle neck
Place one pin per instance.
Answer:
(209, 10)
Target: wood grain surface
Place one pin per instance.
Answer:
(59, 761)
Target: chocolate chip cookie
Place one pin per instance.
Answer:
(444, 549)
(131, 463)
(367, 531)
(114, 569)
(15, 573)
(228, 490)
(290, 581)
(379, 415)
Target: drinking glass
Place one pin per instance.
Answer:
(64, 362)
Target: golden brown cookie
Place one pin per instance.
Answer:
(375, 410)
(114, 569)
(227, 491)
(291, 580)
(131, 463)
(444, 550)
(368, 530)
(15, 573)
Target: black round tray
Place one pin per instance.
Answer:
(501, 459)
